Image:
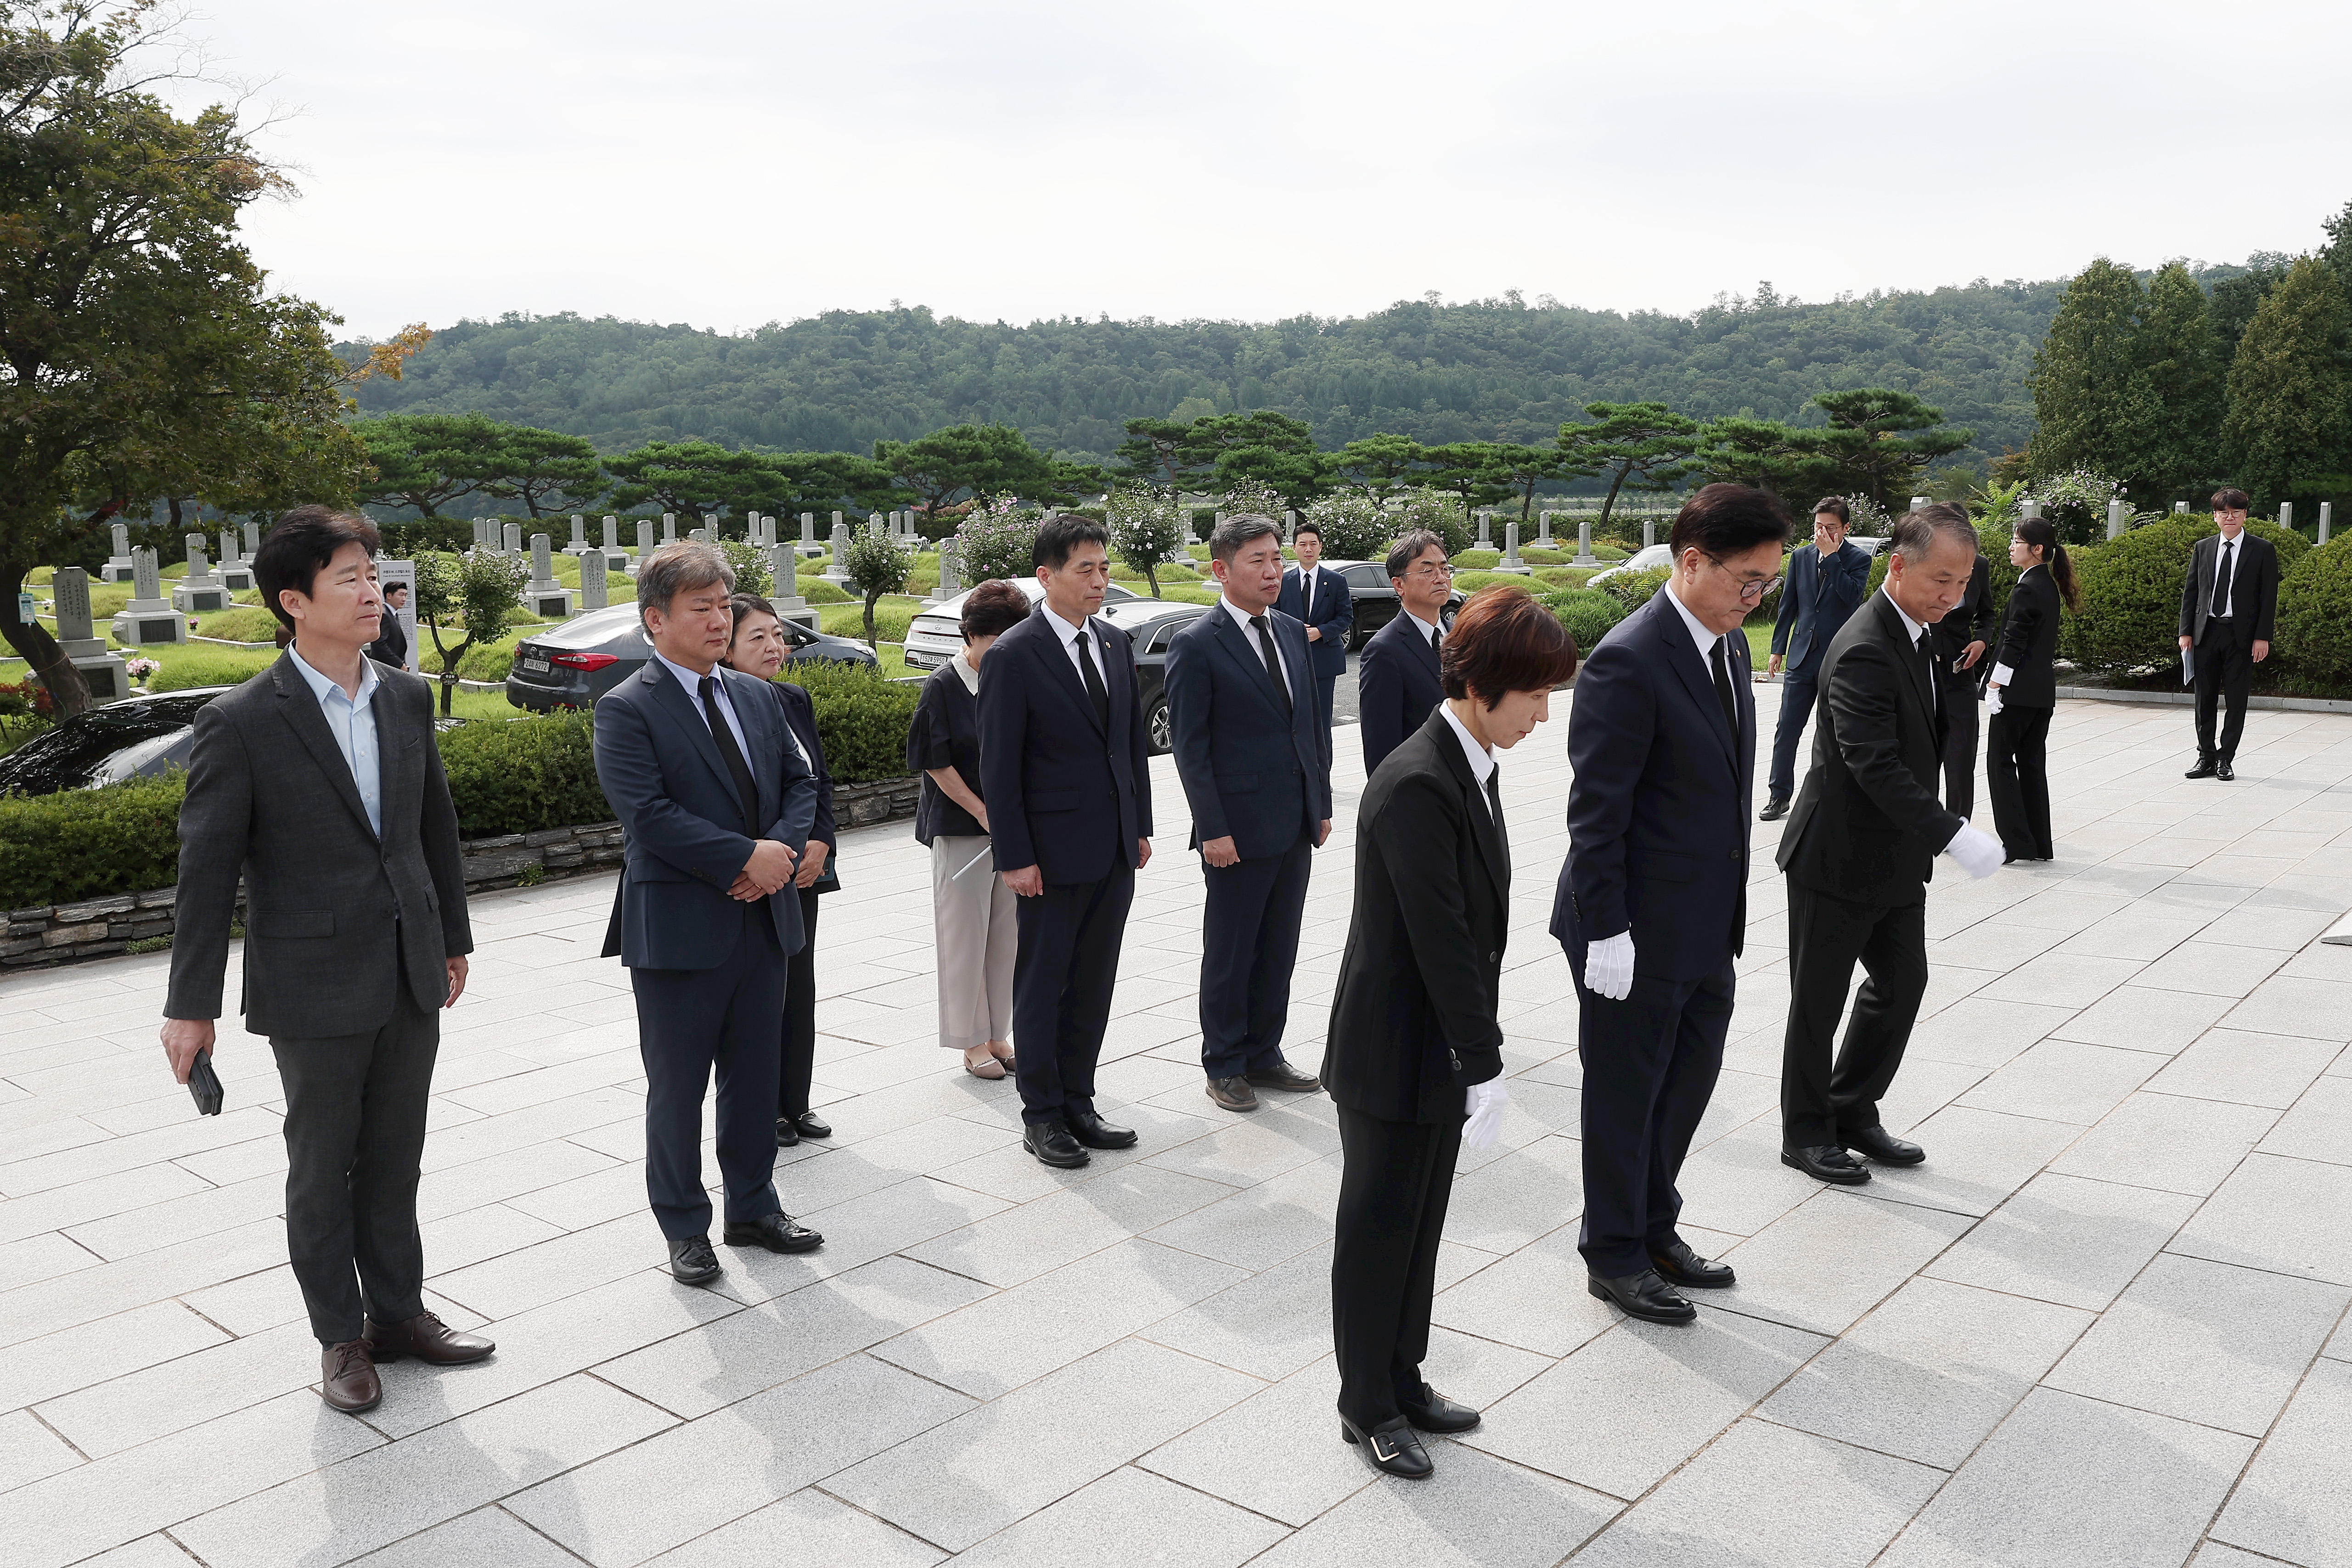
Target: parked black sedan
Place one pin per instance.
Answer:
(572, 664)
(138, 738)
(1152, 625)
(1376, 598)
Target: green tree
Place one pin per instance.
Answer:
(2094, 403)
(1261, 448)
(2290, 400)
(427, 460)
(1521, 470)
(1377, 465)
(970, 459)
(1768, 456)
(1638, 445)
(2235, 299)
(1154, 453)
(1467, 470)
(1881, 439)
(543, 469)
(1147, 532)
(694, 477)
(2175, 344)
(142, 355)
(477, 593)
(878, 564)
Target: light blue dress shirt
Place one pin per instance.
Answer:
(352, 721)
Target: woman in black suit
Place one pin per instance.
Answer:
(758, 649)
(2023, 692)
(1413, 1046)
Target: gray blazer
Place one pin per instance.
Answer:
(336, 920)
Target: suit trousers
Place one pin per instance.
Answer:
(2225, 668)
(1827, 935)
(1796, 707)
(1650, 1065)
(1062, 978)
(975, 934)
(1960, 697)
(1249, 945)
(355, 1130)
(799, 1064)
(689, 1023)
(1394, 1181)
(1324, 686)
(2017, 777)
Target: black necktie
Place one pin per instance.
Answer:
(2221, 580)
(1927, 659)
(733, 755)
(1494, 801)
(1306, 595)
(1094, 680)
(1273, 665)
(1723, 692)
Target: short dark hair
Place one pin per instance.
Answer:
(1307, 528)
(2232, 501)
(1406, 550)
(397, 585)
(1504, 640)
(995, 608)
(1058, 536)
(1728, 519)
(1225, 542)
(303, 539)
(1834, 507)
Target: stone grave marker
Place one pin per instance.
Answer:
(594, 594)
(118, 565)
(149, 617)
(543, 596)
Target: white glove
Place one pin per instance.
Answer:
(1992, 701)
(1609, 966)
(1482, 1103)
(1980, 855)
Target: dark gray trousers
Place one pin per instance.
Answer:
(1249, 946)
(354, 1133)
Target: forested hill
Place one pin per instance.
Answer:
(1493, 370)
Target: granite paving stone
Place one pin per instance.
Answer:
(2295, 1502)
(2290, 1217)
(2065, 1239)
(1129, 1516)
(2167, 1141)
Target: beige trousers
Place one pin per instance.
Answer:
(972, 922)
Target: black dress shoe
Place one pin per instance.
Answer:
(813, 1125)
(1883, 1146)
(1436, 1413)
(1677, 1265)
(1232, 1093)
(2224, 772)
(1642, 1296)
(2206, 767)
(1394, 1448)
(692, 1260)
(1096, 1134)
(1283, 1076)
(1051, 1144)
(1773, 812)
(1828, 1163)
(776, 1232)
(788, 1133)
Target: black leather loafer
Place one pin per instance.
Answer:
(1879, 1145)
(1096, 1134)
(788, 1133)
(1233, 1094)
(776, 1232)
(1677, 1265)
(1051, 1144)
(2224, 772)
(1642, 1296)
(1394, 1448)
(1283, 1076)
(2206, 767)
(692, 1260)
(1436, 1413)
(1827, 1162)
(811, 1125)
(1773, 812)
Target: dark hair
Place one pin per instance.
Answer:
(2041, 531)
(676, 568)
(1406, 550)
(301, 541)
(995, 608)
(1307, 528)
(2232, 500)
(1912, 536)
(739, 605)
(1728, 519)
(397, 585)
(1058, 536)
(1225, 542)
(1504, 640)
(1834, 507)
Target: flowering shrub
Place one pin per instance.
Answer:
(1439, 511)
(2075, 503)
(1353, 525)
(1147, 532)
(998, 538)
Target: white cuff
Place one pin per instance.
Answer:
(2003, 674)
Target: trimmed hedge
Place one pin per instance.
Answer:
(87, 843)
(2315, 619)
(1588, 613)
(523, 775)
(862, 718)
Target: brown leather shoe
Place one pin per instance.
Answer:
(428, 1339)
(1232, 1093)
(347, 1378)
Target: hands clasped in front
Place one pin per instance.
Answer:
(768, 870)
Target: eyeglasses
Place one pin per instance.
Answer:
(1442, 569)
(1751, 591)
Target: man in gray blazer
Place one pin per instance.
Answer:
(319, 782)
(716, 803)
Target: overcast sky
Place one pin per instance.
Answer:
(728, 164)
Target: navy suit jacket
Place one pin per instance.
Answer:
(1063, 794)
(1815, 602)
(684, 839)
(1251, 772)
(1397, 684)
(1335, 611)
(1658, 811)
(800, 713)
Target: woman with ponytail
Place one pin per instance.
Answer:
(2022, 691)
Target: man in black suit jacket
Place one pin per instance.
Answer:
(714, 805)
(319, 782)
(391, 646)
(1396, 679)
(1065, 768)
(1319, 597)
(2229, 606)
(1960, 638)
(1255, 763)
(1652, 905)
(1826, 580)
(1859, 850)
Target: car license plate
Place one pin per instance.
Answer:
(536, 666)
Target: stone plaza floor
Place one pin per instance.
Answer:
(2104, 1325)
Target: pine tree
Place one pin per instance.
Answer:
(2176, 345)
(2290, 396)
(2095, 406)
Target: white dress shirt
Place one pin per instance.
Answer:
(2225, 580)
(693, 684)
(1429, 628)
(1069, 637)
(1249, 637)
(1705, 639)
(1482, 758)
(352, 721)
(1306, 590)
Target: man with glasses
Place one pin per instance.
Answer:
(1397, 686)
(1652, 905)
(1826, 581)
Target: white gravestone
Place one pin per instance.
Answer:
(1543, 534)
(594, 592)
(102, 671)
(670, 527)
(808, 545)
(612, 537)
(578, 544)
(1585, 542)
(149, 617)
(252, 538)
(118, 565)
(512, 539)
(543, 596)
(1485, 531)
(1511, 561)
(234, 572)
(837, 572)
(200, 592)
(786, 595)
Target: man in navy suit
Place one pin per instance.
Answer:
(1397, 686)
(1064, 766)
(1825, 582)
(714, 805)
(1255, 762)
(1653, 901)
(1319, 596)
